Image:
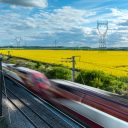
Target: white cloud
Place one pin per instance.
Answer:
(29, 3)
(65, 18)
(66, 24)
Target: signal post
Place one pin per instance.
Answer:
(1, 83)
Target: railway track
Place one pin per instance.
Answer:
(27, 110)
(38, 112)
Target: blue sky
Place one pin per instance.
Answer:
(69, 22)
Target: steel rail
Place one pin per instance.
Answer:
(29, 107)
(21, 111)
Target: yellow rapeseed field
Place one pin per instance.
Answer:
(112, 62)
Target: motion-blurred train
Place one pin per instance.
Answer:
(33, 80)
(90, 106)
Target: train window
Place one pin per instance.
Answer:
(66, 88)
(41, 80)
(75, 91)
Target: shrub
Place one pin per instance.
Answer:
(30, 65)
(12, 61)
(42, 68)
(38, 64)
(103, 81)
(89, 76)
(58, 73)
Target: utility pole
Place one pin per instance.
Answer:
(1, 84)
(73, 61)
(73, 68)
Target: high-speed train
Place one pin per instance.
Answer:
(96, 107)
(90, 106)
(33, 80)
